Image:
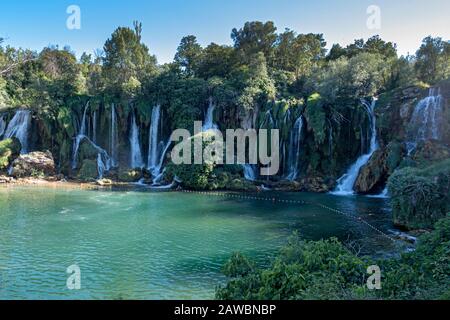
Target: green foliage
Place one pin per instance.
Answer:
(302, 270)
(433, 60)
(326, 269)
(9, 150)
(316, 117)
(188, 55)
(126, 61)
(420, 197)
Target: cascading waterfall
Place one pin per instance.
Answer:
(81, 134)
(209, 118)
(114, 136)
(18, 127)
(250, 172)
(294, 150)
(136, 154)
(347, 181)
(104, 161)
(424, 124)
(2, 125)
(153, 147)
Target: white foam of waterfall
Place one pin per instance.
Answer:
(114, 137)
(425, 121)
(347, 181)
(136, 154)
(18, 127)
(294, 150)
(81, 134)
(209, 124)
(153, 147)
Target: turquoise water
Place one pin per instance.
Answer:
(157, 245)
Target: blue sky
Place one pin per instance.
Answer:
(34, 25)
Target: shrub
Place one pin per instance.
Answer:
(420, 197)
(9, 150)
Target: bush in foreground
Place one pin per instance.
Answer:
(328, 270)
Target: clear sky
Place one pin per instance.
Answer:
(36, 24)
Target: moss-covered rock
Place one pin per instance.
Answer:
(132, 175)
(420, 197)
(34, 164)
(9, 150)
(88, 171)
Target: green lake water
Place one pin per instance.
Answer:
(158, 245)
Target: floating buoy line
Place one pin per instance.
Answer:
(288, 201)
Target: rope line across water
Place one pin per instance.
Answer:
(302, 202)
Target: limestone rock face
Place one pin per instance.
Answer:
(381, 165)
(34, 164)
(372, 174)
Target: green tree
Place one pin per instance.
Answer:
(188, 55)
(127, 62)
(255, 37)
(216, 61)
(433, 60)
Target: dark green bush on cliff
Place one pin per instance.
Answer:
(420, 197)
(328, 270)
(9, 150)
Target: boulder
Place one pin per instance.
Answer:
(316, 184)
(34, 164)
(133, 175)
(373, 176)
(88, 170)
(9, 150)
(104, 182)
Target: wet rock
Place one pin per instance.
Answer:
(373, 176)
(34, 164)
(88, 171)
(104, 182)
(133, 175)
(316, 184)
(430, 151)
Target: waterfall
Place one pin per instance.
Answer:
(2, 125)
(294, 150)
(347, 181)
(136, 154)
(250, 172)
(383, 195)
(104, 161)
(209, 118)
(114, 136)
(18, 127)
(268, 120)
(153, 147)
(425, 121)
(81, 134)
